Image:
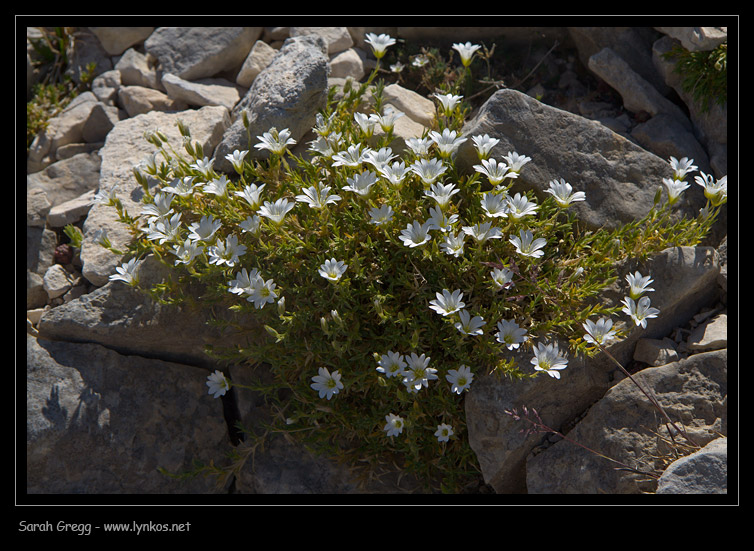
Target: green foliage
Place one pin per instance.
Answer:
(382, 301)
(704, 74)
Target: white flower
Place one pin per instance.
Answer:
(601, 332)
(379, 43)
(715, 191)
(460, 379)
(327, 383)
(640, 312)
(466, 51)
(380, 158)
(495, 205)
(484, 144)
(420, 146)
(361, 183)
(317, 197)
(236, 159)
(274, 141)
(276, 211)
(516, 161)
(448, 142)
(187, 251)
(675, 188)
(415, 234)
(394, 425)
(638, 284)
(394, 173)
(353, 156)
(365, 123)
(682, 167)
(218, 186)
(250, 193)
(392, 364)
(447, 303)
(442, 193)
(468, 325)
(449, 102)
(453, 244)
(520, 206)
(160, 207)
(218, 384)
(428, 170)
(482, 232)
(496, 172)
(164, 229)
(563, 193)
(527, 245)
(262, 292)
(251, 224)
(547, 358)
(204, 229)
(182, 187)
(440, 221)
(126, 272)
(418, 373)
(332, 269)
(443, 432)
(387, 119)
(510, 334)
(204, 166)
(226, 252)
(503, 278)
(245, 282)
(381, 215)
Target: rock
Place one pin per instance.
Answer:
(67, 179)
(619, 178)
(56, 281)
(71, 211)
(415, 106)
(622, 425)
(697, 39)
(101, 423)
(124, 149)
(37, 207)
(192, 53)
(105, 86)
(702, 472)
(712, 335)
(337, 38)
(664, 136)
(101, 120)
(137, 69)
(349, 63)
(207, 91)
(286, 94)
(137, 100)
(655, 352)
(116, 40)
(260, 56)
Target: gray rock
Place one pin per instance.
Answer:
(288, 93)
(56, 281)
(198, 52)
(137, 100)
(664, 136)
(101, 423)
(624, 426)
(116, 40)
(71, 211)
(137, 69)
(697, 39)
(656, 352)
(206, 91)
(337, 39)
(37, 207)
(702, 472)
(712, 335)
(67, 179)
(260, 56)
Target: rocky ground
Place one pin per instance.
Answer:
(102, 359)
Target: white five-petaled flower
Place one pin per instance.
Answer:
(218, 384)
(274, 141)
(159, 207)
(332, 269)
(466, 51)
(682, 167)
(453, 244)
(420, 146)
(381, 215)
(218, 186)
(495, 204)
(418, 373)
(204, 229)
(442, 193)
(563, 193)
(440, 221)
(428, 170)
(416, 234)
(460, 379)
(448, 102)
(502, 278)
(353, 156)
(244, 282)
(527, 245)
(317, 197)
(182, 187)
(547, 358)
(510, 334)
(601, 332)
(392, 364)
(675, 188)
(444, 432)
(482, 232)
(361, 184)
(520, 206)
(468, 325)
(394, 173)
(387, 119)
(394, 425)
(715, 191)
(126, 272)
(379, 158)
(484, 144)
(447, 303)
(204, 166)
(448, 142)
(251, 224)
(638, 284)
(639, 311)
(236, 159)
(164, 229)
(495, 171)
(275, 212)
(226, 252)
(262, 292)
(251, 194)
(365, 123)
(327, 383)
(379, 43)
(515, 162)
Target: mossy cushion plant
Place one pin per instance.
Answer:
(383, 284)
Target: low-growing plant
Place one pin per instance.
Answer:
(383, 282)
(704, 74)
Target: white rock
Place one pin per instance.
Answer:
(56, 281)
(349, 63)
(712, 335)
(415, 106)
(259, 58)
(210, 91)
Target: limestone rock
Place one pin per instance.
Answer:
(702, 472)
